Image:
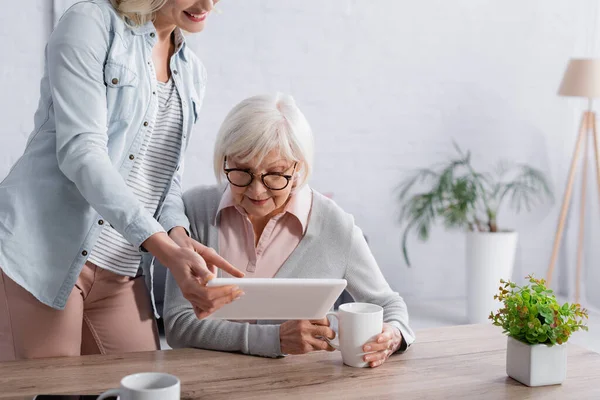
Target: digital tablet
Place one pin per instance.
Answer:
(280, 298)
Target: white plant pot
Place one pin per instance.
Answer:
(536, 365)
(490, 257)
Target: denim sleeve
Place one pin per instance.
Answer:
(173, 212)
(76, 54)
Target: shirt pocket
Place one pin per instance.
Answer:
(121, 88)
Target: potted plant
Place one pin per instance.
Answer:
(538, 329)
(463, 198)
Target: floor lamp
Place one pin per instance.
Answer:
(581, 79)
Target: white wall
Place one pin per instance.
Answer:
(25, 28)
(386, 85)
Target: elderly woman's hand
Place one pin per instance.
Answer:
(193, 265)
(385, 344)
(300, 337)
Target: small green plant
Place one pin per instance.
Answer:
(464, 198)
(532, 314)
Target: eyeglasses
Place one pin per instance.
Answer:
(243, 177)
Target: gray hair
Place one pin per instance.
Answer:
(261, 124)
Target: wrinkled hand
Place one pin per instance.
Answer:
(301, 337)
(385, 344)
(193, 265)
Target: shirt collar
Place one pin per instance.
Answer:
(180, 42)
(147, 28)
(299, 205)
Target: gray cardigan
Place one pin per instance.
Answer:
(332, 247)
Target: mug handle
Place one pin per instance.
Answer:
(330, 341)
(109, 393)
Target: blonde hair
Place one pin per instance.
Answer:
(260, 124)
(138, 12)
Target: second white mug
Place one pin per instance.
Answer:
(359, 324)
(146, 386)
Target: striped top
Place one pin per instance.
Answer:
(149, 177)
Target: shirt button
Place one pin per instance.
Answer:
(175, 72)
(131, 156)
(84, 253)
(145, 123)
(251, 267)
(115, 81)
(152, 34)
(100, 222)
(154, 93)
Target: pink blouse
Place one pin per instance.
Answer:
(278, 240)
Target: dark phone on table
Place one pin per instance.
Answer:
(67, 397)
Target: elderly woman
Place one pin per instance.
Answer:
(270, 223)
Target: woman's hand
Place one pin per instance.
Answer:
(301, 337)
(210, 256)
(385, 344)
(193, 265)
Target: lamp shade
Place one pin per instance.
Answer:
(581, 79)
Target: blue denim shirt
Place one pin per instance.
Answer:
(98, 93)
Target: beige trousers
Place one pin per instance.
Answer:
(106, 313)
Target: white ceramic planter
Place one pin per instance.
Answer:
(536, 365)
(490, 257)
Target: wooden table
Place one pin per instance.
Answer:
(459, 362)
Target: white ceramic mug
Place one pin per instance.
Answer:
(146, 386)
(358, 324)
